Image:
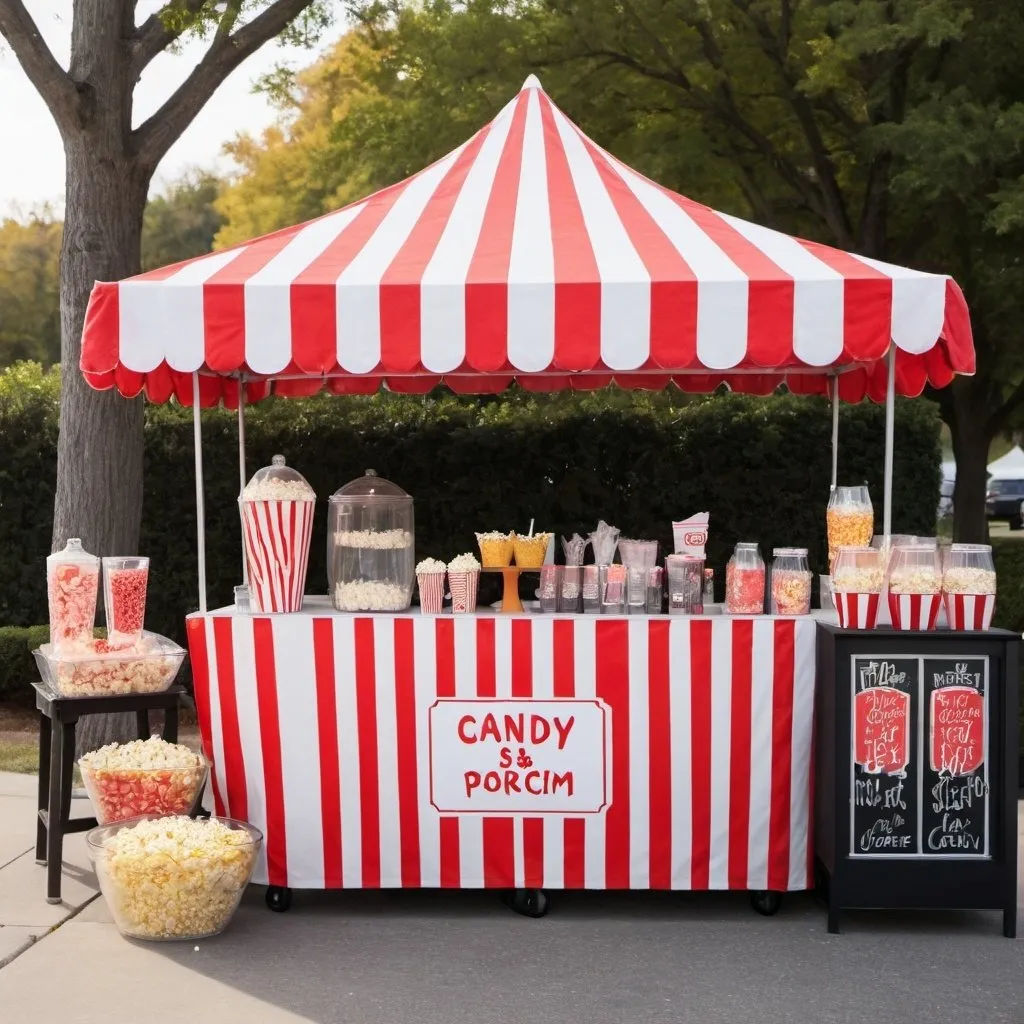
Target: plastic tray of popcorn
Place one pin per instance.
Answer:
(96, 668)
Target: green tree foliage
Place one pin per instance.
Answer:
(182, 221)
(30, 290)
(886, 127)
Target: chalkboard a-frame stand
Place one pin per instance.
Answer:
(916, 761)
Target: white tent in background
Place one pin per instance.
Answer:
(1010, 466)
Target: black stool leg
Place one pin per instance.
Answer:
(171, 724)
(67, 773)
(45, 730)
(142, 724)
(54, 831)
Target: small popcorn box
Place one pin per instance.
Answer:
(857, 611)
(463, 586)
(431, 591)
(970, 611)
(691, 535)
(277, 536)
(914, 611)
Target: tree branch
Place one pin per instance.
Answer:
(158, 133)
(153, 36)
(51, 81)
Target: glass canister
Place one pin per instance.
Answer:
(849, 519)
(791, 582)
(685, 584)
(744, 581)
(969, 586)
(125, 582)
(915, 585)
(277, 525)
(72, 587)
(371, 556)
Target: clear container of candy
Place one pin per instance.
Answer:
(125, 581)
(591, 589)
(791, 582)
(550, 587)
(849, 519)
(371, 546)
(745, 581)
(685, 575)
(72, 587)
(277, 507)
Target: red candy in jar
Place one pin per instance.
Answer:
(744, 581)
(124, 595)
(72, 586)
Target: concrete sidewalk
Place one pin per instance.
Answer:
(462, 958)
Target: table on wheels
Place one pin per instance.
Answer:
(512, 752)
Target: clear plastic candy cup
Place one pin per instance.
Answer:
(791, 582)
(168, 878)
(125, 582)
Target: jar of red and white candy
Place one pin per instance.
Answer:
(124, 597)
(744, 581)
(72, 585)
(791, 582)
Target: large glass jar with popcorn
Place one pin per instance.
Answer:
(849, 519)
(791, 582)
(277, 507)
(371, 557)
(969, 586)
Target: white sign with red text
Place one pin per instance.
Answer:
(520, 756)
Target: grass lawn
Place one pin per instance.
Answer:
(19, 755)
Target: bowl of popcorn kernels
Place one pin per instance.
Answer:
(173, 878)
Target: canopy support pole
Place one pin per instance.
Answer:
(835, 431)
(241, 470)
(197, 437)
(890, 416)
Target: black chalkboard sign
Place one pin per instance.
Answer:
(955, 766)
(885, 763)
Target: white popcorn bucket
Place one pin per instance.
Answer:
(277, 536)
(857, 611)
(970, 611)
(463, 586)
(914, 611)
(431, 586)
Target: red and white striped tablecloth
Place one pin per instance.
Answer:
(322, 733)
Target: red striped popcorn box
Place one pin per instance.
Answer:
(969, 611)
(277, 536)
(914, 611)
(431, 586)
(857, 611)
(463, 586)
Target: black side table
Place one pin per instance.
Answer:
(58, 717)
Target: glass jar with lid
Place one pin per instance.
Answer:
(72, 586)
(849, 520)
(744, 580)
(791, 582)
(277, 507)
(915, 569)
(371, 557)
(859, 570)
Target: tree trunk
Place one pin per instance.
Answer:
(99, 450)
(967, 418)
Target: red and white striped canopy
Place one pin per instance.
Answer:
(527, 253)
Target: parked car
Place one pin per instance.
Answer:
(1004, 501)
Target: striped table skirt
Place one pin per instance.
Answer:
(530, 751)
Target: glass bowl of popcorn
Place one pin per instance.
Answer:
(127, 780)
(103, 668)
(173, 878)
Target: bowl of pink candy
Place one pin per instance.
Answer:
(103, 668)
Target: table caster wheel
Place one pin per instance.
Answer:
(766, 901)
(528, 902)
(279, 898)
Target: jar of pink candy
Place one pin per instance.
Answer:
(125, 582)
(72, 586)
(744, 581)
